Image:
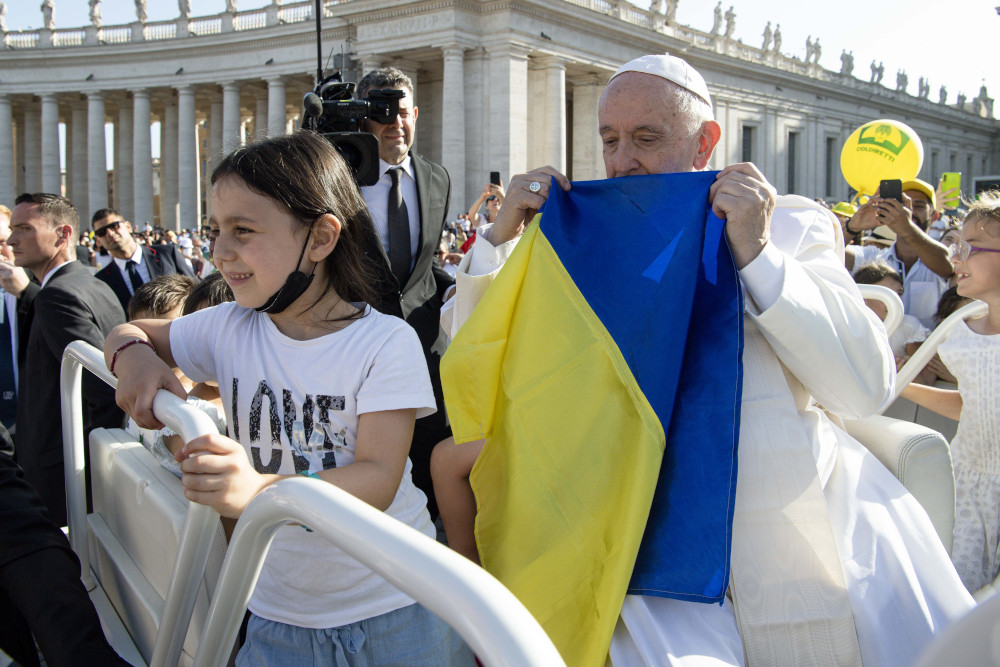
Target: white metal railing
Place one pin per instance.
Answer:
(928, 348)
(893, 304)
(199, 524)
(487, 616)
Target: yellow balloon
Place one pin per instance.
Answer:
(881, 149)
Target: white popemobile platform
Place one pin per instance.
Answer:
(169, 592)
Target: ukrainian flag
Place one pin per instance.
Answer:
(603, 369)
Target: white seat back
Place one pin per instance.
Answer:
(135, 529)
(920, 458)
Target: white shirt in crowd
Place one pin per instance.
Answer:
(377, 198)
(143, 270)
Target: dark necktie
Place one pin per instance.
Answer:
(8, 395)
(399, 230)
(133, 275)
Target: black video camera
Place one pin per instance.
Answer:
(333, 112)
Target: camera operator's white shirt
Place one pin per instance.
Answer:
(377, 198)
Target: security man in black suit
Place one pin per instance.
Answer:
(71, 305)
(17, 292)
(409, 205)
(133, 265)
(41, 596)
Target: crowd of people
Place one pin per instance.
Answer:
(343, 300)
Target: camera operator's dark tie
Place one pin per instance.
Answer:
(133, 275)
(399, 230)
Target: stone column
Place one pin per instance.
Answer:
(68, 182)
(260, 117)
(168, 165)
(554, 141)
(142, 159)
(453, 122)
(508, 112)
(409, 68)
(188, 164)
(97, 159)
(368, 63)
(32, 148)
(7, 184)
(536, 128)
(51, 177)
(19, 182)
(214, 144)
(125, 194)
(588, 161)
(770, 146)
(813, 146)
(231, 117)
(478, 152)
(276, 107)
(77, 158)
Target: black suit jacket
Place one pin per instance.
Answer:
(161, 260)
(73, 305)
(41, 597)
(421, 295)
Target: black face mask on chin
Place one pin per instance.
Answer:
(295, 286)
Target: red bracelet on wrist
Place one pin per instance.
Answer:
(114, 357)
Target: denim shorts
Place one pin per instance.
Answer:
(409, 636)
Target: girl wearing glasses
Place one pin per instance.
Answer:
(972, 353)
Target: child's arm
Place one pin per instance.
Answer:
(379, 457)
(945, 402)
(220, 475)
(451, 465)
(140, 371)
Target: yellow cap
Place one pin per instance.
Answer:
(843, 208)
(921, 186)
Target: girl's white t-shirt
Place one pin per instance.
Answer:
(276, 392)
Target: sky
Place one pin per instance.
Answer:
(950, 43)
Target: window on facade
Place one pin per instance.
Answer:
(747, 154)
(793, 150)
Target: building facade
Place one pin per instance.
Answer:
(502, 85)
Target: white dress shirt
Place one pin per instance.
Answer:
(142, 268)
(377, 198)
(48, 275)
(8, 318)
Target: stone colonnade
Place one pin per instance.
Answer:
(493, 108)
(198, 123)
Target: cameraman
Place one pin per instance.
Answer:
(409, 205)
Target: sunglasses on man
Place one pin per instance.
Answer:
(103, 231)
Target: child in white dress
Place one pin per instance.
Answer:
(972, 353)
